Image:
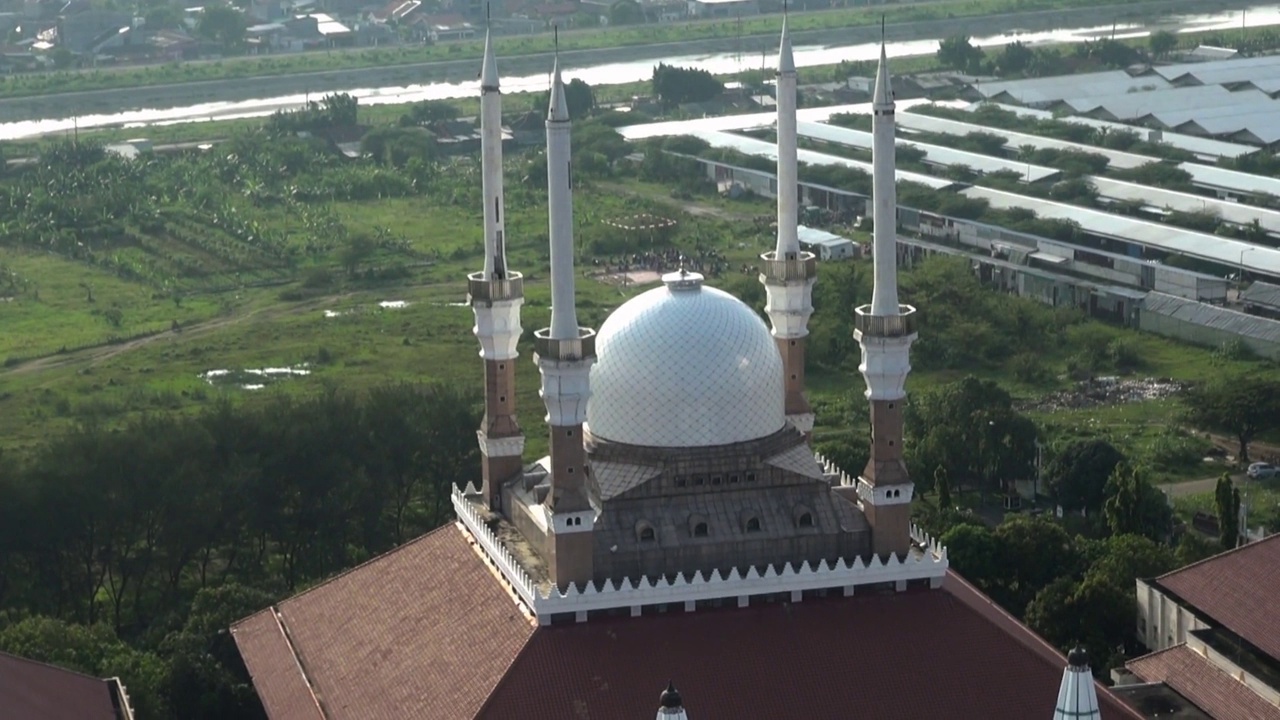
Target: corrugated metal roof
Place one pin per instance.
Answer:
(1225, 251)
(1219, 318)
(814, 236)
(1050, 89)
(931, 124)
(1232, 212)
(1221, 71)
(1130, 105)
(935, 154)
(752, 146)
(1205, 147)
(1262, 293)
(1234, 180)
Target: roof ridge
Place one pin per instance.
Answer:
(1224, 553)
(1156, 653)
(52, 666)
(348, 571)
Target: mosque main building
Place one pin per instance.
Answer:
(681, 533)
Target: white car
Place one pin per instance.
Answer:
(1262, 471)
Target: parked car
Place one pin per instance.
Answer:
(1262, 471)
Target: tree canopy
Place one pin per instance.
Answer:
(678, 85)
(1078, 474)
(1242, 405)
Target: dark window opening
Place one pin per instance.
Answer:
(806, 520)
(733, 479)
(569, 470)
(700, 530)
(699, 480)
(681, 482)
(753, 524)
(716, 479)
(647, 534)
(751, 477)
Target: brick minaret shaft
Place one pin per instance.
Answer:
(885, 330)
(788, 273)
(496, 295)
(564, 356)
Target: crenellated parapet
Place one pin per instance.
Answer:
(927, 563)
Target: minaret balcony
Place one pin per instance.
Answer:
(579, 348)
(483, 289)
(900, 325)
(803, 266)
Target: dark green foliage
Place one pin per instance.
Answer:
(168, 528)
(678, 85)
(970, 428)
(1136, 507)
(578, 95)
(1078, 474)
(942, 486)
(1242, 405)
(958, 53)
(1226, 503)
(397, 146)
(223, 24)
(1157, 174)
(332, 111)
(427, 112)
(1161, 42)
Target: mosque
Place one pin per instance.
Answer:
(681, 533)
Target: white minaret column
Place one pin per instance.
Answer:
(885, 330)
(670, 706)
(788, 273)
(496, 295)
(1077, 696)
(564, 356)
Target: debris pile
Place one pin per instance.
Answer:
(1104, 391)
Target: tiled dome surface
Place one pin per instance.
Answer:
(687, 367)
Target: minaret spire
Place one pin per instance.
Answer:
(496, 295)
(1077, 697)
(885, 330)
(565, 353)
(788, 273)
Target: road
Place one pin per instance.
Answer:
(92, 102)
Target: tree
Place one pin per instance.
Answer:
(427, 112)
(678, 85)
(223, 24)
(578, 95)
(1134, 506)
(976, 553)
(1226, 502)
(942, 486)
(626, 12)
(1078, 475)
(162, 17)
(1161, 42)
(1016, 57)
(357, 249)
(958, 53)
(1035, 551)
(397, 146)
(1243, 405)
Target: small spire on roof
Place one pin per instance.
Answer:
(1077, 697)
(670, 705)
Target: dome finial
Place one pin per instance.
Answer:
(670, 706)
(682, 279)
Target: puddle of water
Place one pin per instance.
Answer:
(252, 378)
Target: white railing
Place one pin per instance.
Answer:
(931, 565)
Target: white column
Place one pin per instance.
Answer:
(884, 296)
(495, 254)
(788, 216)
(564, 316)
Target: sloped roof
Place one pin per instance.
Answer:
(428, 630)
(1200, 681)
(35, 691)
(1238, 589)
(1231, 321)
(1262, 293)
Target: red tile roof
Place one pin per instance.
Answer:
(429, 630)
(35, 691)
(1237, 590)
(426, 626)
(1200, 681)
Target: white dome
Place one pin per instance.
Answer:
(685, 366)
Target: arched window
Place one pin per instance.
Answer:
(805, 520)
(700, 529)
(645, 532)
(753, 524)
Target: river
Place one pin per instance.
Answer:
(161, 105)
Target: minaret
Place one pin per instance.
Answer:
(564, 355)
(885, 330)
(670, 706)
(1077, 697)
(787, 273)
(496, 295)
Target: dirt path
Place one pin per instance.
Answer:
(99, 353)
(693, 207)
